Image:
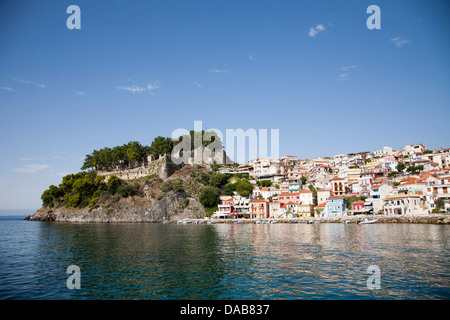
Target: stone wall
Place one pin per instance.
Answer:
(163, 168)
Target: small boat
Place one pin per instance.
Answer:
(346, 222)
(309, 222)
(237, 222)
(273, 222)
(366, 221)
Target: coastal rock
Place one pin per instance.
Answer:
(132, 209)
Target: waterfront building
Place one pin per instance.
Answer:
(439, 189)
(320, 210)
(377, 194)
(404, 204)
(241, 204)
(323, 195)
(336, 206)
(259, 209)
(305, 210)
(275, 209)
(358, 207)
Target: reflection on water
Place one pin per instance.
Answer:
(225, 261)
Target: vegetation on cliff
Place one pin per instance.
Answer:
(83, 189)
(133, 154)
(88, 189)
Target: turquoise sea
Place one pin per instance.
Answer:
(223, 261)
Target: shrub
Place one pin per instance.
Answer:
(174, 185)
(209, 197)
(217, 179)
(125, 190)
(113, 184)
(73, 200)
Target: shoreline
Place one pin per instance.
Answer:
(424, 219)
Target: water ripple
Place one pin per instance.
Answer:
(153, 261)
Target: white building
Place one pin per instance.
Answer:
(377, 194)
(411, 149)
(323, 195)
(267, 192)
(265, 168)
(439, 189)
(385, 151)
(404, 204)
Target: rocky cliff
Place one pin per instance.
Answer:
(131, 209)
(152, 203)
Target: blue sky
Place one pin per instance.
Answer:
(139, 69)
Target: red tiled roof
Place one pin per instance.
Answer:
(412, 182)
(322, 205)
(336, 197)
(289, 194)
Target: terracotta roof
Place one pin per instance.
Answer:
(336, 197)
(412, 182)
(359, 203)
(306, 191)
(289, 194)
(322, 205)
(259, 200)
(402, 196)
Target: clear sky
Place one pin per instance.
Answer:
(139, 69)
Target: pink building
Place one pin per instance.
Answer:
(288, 197)
(365, 183)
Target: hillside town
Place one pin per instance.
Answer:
(409, 181)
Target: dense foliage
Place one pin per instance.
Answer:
(242, 186)
(127, 155)
(214, 179)
(133, 154)
(209, 197)
(83, 189)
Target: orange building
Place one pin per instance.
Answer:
(259, 209)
